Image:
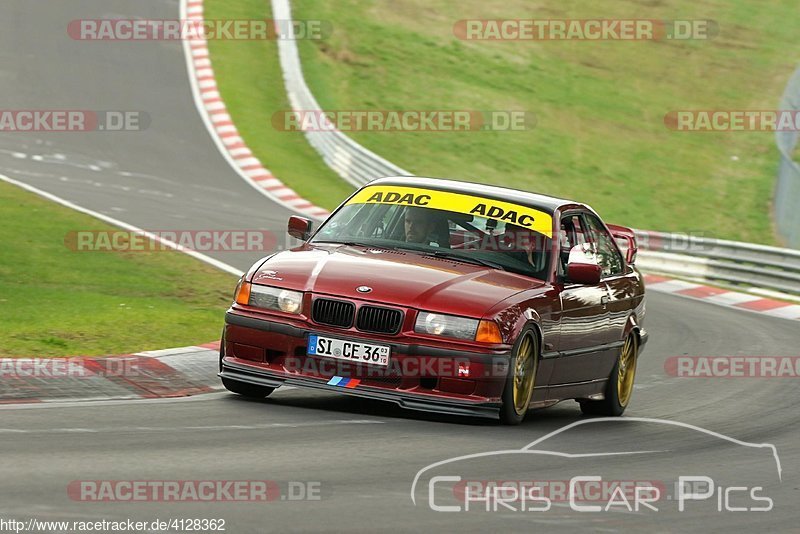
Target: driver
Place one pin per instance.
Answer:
(525, 246)
(419, 224)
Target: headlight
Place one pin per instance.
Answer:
(273, 298)
(446, 325)
(290, 301)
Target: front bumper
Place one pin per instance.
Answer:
(269, 353)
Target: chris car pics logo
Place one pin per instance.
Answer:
(635, 479)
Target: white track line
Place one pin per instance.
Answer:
(223, 428)
(116, 222)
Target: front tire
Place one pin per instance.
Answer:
(247, 390)
(620, 383)
(521, 379)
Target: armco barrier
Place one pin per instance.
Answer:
(347, 158)
(706, 259)
(719, 260)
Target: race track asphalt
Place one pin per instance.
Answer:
(169, 176)
(364, 455)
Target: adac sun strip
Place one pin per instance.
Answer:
(507, 212)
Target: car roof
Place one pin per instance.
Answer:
(542, 202)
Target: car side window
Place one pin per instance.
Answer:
(607, 254)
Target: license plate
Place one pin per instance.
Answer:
(351, 351)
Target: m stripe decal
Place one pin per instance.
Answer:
(343, 382)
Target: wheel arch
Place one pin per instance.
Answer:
(632, 325)
(530, 319)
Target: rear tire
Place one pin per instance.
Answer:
(247, 390)
(620, 384)
(521, 378)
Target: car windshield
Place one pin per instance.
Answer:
(482, 239)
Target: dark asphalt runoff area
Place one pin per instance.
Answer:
(339, 463)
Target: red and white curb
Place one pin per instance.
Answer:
(222, 129)
(169, 373)
(723, 297)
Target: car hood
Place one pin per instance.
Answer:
(396, 277)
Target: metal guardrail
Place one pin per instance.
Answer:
(671, 254)
(720, 260)
(347, 158)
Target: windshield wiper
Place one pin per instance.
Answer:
(346, 243)
(442, 254)
(465, 259)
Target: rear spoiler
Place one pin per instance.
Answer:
(626, 240)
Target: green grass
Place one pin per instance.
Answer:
(600, 136)
(249, 78)
(58, 302)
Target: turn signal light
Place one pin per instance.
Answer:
(488, 332)
(243, 293)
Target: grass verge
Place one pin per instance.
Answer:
(600, 136)
(58, 302)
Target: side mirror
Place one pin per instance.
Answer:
(584, 273)
(299, 227)
(582, 266)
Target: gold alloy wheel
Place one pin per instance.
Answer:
(524, 375)
(626, 371)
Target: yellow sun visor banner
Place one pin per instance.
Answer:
(507, 212)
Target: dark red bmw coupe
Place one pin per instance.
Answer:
(445, 296)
